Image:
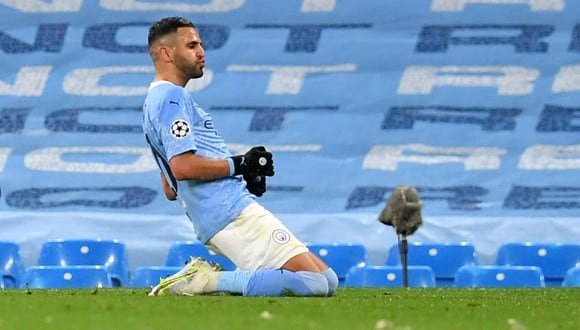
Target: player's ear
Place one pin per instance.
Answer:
(165, 54)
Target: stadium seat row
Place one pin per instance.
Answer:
(104, 263)
(456, 264)
(469, 276)
(93, 263)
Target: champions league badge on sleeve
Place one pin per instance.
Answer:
(179, 129)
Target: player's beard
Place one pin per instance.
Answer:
(194, 73)
(190, 70)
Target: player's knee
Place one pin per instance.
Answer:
(316, 283)
(332, 280)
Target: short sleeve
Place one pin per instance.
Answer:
(177, 120)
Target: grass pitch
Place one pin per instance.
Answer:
(388, 308)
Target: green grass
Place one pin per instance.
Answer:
(390, 308)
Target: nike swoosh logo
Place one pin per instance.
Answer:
(173, 102)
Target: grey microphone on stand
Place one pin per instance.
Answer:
(403, 212)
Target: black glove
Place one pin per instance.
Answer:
(256, 184)
(257, 161)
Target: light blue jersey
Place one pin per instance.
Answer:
(174, 124)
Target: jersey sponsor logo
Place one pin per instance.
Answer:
(179, 129)
(280, 236)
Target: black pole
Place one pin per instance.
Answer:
(403, 250)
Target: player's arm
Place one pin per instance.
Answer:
(169, 193)
(189, 166)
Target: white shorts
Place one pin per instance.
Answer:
(256, 239)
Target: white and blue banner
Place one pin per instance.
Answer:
(474, 102)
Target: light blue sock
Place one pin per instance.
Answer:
(273, 282)
(280, 282)
(234, 281)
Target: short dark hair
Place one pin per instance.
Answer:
(166, 26)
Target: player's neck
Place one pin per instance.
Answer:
(173, 77)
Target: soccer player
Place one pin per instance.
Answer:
(215, 187)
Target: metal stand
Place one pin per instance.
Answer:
(403, 251)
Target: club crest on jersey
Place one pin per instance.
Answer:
(179, 128)
(280, 236)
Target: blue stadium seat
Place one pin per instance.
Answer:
(111, 254)
(443, 258)
(499, 276)
(66, 277)
(389, 276)
(553, 258)
(180, 251)
(148, 276)
(572, 277)
(340, 256)
(11, 265)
